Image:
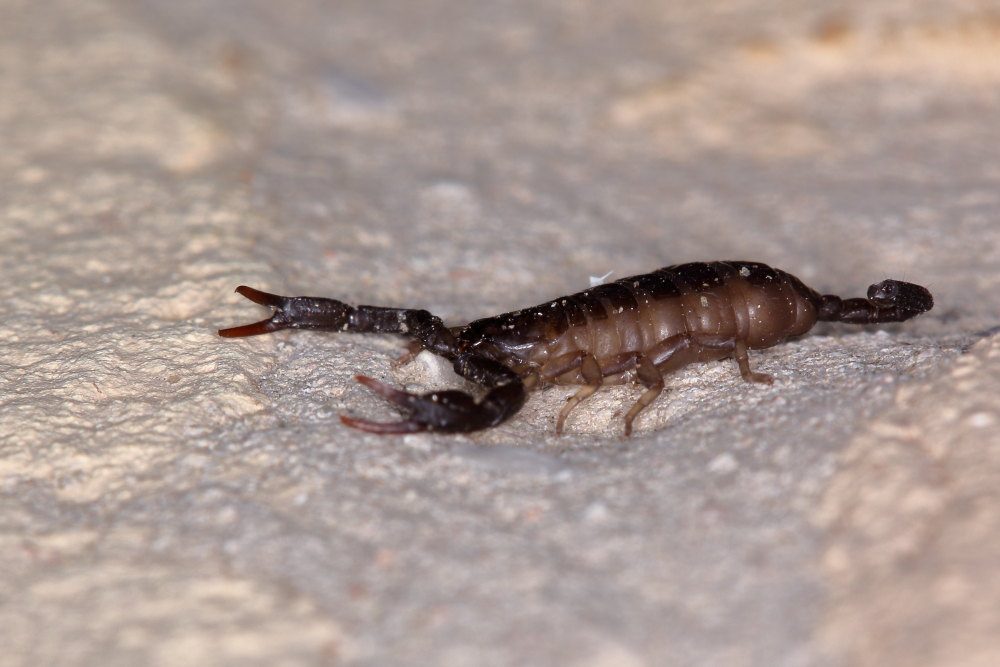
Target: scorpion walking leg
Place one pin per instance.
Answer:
(566, 363)
(738, 348)
(743, 360)
(593, 376)
(648, 376)
(652, 380)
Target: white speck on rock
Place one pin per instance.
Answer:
(596, 512)
(723, 464)
(981, 419)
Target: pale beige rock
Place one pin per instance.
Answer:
(913, 523)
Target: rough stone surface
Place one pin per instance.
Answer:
(168, 497)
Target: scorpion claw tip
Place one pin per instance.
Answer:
(260, 297)
(391, 394)
(255, 329)
(405, 426)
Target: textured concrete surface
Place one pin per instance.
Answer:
(168, 497)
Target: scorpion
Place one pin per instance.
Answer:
(631, 330)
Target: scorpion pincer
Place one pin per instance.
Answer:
(632, 330)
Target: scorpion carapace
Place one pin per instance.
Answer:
(633, 329)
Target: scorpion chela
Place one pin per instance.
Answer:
(633, 329)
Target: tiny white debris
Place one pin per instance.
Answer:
(418, 441)
(723, 464)
(981, 419)
(596, 511)
(599, 280)
(744, 271)
(704, 301)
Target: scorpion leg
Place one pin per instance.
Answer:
(308, 312)
(743, 360)
(738, 347)
(647, 374)
(413, 348)
(593, 376)
(652, 380)
(589, 370)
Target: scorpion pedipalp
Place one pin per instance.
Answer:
(269, 325)
(401, 398)
(442, 411)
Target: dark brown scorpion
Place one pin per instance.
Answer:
(633, 329)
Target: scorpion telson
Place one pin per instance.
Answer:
(631, 330)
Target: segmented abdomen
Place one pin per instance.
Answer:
(704, 301)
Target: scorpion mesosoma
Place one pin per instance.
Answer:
(633, 329)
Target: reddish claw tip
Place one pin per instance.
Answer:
(255, 329)
(391, 394)
(263, 298)
(383, 427)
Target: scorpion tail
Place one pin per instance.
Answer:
(888, 301)
(441, 411)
